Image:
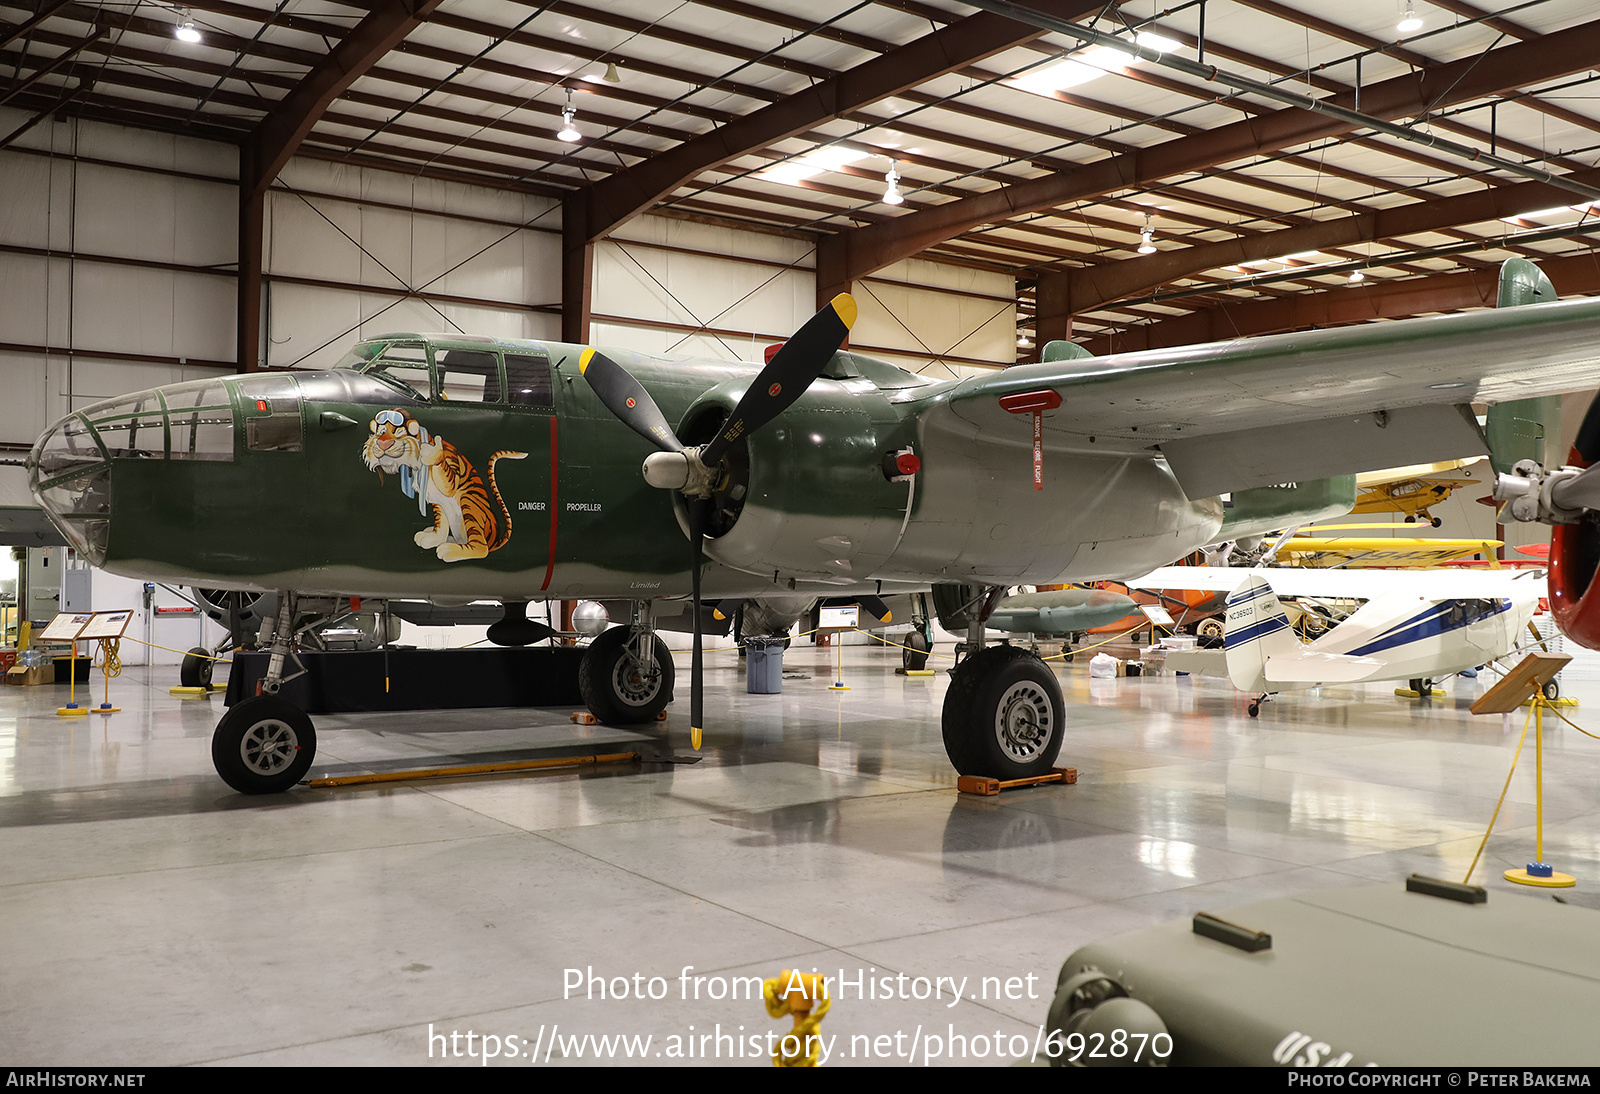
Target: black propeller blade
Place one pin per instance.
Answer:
(875, 607)
(786, 377)
(1588, 440)
(627, 399)
(699, 515)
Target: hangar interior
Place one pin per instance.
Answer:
(213, 188)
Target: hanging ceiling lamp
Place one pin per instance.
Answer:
(891, 186)
(568, 131)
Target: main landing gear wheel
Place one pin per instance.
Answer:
(195, 672)
(1210, 627)
(616, 687)
(1423, 688)
(1003, 714)
(263, 745)
(915, 656)
(1551, 690)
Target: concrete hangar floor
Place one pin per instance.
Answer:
(153, 917)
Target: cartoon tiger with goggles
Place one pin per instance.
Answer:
(435, 473)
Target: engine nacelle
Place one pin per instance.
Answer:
(1574, 559)
(1563, 499)
(807, 496)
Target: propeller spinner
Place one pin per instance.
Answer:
(696, 470)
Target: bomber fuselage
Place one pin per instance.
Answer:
(462, 467)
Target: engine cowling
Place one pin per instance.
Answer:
(807, 496)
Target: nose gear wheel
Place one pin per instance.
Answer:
(263, 745)
(268, 747)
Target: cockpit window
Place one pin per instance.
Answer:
(132, 428)
(271, 408)
(404, 366)
(528, 379)
(201, 421)
(468, 376)
(359, 355)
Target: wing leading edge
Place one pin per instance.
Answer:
(1251, 412)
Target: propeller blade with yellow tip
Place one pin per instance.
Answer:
(787, 376)
(797, 363)
(627, 399)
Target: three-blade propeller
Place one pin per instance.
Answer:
(697, 470)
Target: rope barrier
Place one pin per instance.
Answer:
(224, 659)
(1496, 814)
(1573, 724)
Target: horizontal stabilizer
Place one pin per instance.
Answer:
(1315, 667)
(1198, 662)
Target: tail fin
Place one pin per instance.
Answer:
(1257, 628)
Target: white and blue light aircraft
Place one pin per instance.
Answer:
(1417, 626)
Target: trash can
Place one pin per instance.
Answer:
(763, 665)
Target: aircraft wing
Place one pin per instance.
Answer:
(1348, 584)
(1288, 407)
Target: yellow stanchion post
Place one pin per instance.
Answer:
(838, 660)
(805, 996)
(1539, 872)
(110, 665)
(72, 706)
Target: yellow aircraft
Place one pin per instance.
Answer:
(1409, 490)
(1360, 552)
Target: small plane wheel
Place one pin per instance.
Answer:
(1435, 521)
(263, 745)
(915, 656)
(1003, 714)
(615, 689)
(1210, 627)
(195, 672)
(1254, 709)
(1551, 690)
(1411, 520)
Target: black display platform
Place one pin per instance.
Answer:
(494, 676)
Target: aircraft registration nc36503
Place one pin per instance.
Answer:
(514, 470)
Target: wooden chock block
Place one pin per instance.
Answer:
(985, 786)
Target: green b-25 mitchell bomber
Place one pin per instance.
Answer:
(473, 467)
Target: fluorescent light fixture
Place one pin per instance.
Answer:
(1410, 23)
(1089, 64)
(1158, 42)
(830, 158)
